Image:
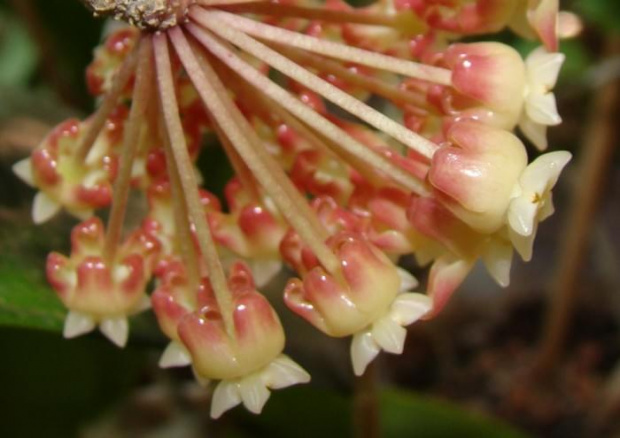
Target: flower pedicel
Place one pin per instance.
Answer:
(338, 199)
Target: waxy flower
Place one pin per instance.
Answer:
(533, 202)
(322, 175)
(66, 181)
(366, 302)
(529, 18)
(454, 248)
(108, 59)
(247, 358)
(102, 291)
(251, 230)
(477, 173)
(160, 219)
(508, 210)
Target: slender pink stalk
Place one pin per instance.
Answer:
(213, 94)
(183, 228)
(309, 116)
(131, 142)
(215, 22)
(176, 137)
(332, 49)
(310, 13)
(98, 120)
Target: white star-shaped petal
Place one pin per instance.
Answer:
(497, 259)
(116, 330)
(388, 333)
(23, 169)
(175, 355)
(540, 109)
(533, 202)
(78, 324)
(253, 390)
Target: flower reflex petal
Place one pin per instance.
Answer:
(534, 202)
(540, 111)
(388, 332)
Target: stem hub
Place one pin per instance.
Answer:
(145, 14)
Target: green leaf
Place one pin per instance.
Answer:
(25, 298)
(304, 411)
(18, 55)
(408, 414)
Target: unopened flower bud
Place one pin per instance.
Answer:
(476, 175)
(492, 75)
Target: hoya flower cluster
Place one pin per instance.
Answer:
(325, 183)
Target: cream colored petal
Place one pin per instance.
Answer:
(408, 308)
(225, 397)
(534, 132)
(542, 109)
(283, 372)
(94, 178)
(523, 244)
(363, 350)
(407, 281)
(120, 273)
(543, 67)
(546, 209)
(138, 168)
(389, 335)
(23, 169)
(543, 173)
(522, 214)
(43, 208)
(254, 393)
(498, 260)
(96, 153)
(77, 324)
(116, 330)
(143, 305)
(263, 271)
(175, 355)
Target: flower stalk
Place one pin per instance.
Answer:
(176, 140)
(108, 103)
(130, 145)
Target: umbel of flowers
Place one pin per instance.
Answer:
(337, 199)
